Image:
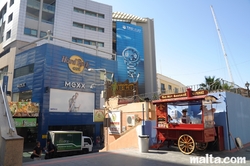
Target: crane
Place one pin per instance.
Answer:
(222, 45)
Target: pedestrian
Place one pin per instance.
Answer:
(49, 150)
(37, 152)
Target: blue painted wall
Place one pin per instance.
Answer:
(50, 71)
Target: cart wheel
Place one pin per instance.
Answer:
(186, 144)
(201, 146)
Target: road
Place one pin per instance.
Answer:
(132, 157)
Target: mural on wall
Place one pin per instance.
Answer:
(130, 54)
(71, 101)
(24, 109)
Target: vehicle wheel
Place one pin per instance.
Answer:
(186, 144)
(85, 150)
(201, 146)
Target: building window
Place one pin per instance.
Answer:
(101, 15)
(77, 40)
(10, 17)
(42, 34)
(30, 32)
(90, 27)
(78, 10)
(11, 2)
(90, 13)
(176, 90)
(23, 70)
(76, 24)
(8, 34)
(100, 29)
(163, 90)
(169, 87)
(100, 44)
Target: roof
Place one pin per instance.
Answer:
(120, 16)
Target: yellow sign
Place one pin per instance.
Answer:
(75, 63)
(98, 115)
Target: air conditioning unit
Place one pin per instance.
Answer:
(131, 120)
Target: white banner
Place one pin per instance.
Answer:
(71, 101)
(115, 122)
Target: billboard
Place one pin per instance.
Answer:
(71, 101)
(25, 122)
(24, 109)
(130, 54)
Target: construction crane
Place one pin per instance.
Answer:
(222, 45)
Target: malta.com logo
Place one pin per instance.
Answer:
(209, 159)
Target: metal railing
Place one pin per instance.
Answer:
(219, 86)
(11, 128)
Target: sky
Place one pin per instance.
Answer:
(187, 44)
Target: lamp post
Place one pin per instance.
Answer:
(134, 81)
(247, 85)
(105, 98)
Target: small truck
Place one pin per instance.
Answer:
(70, 142)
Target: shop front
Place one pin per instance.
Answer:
(58, 81)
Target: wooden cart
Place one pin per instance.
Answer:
(188, 137)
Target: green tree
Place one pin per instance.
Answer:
(211, 83)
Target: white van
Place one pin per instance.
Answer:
(87, 144)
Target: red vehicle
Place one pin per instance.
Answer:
(197, 133)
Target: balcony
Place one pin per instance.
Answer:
(33, 4)
(48, 8)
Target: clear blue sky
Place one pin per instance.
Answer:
(186, 39)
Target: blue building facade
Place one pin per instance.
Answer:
(53, 74)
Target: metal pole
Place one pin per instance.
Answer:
(143, 129)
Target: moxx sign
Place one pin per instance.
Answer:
(74, 85)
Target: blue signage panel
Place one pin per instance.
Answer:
(5, 83)
(130, 54)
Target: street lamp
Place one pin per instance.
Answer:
(134, 81)
(105, 80)
(247, 85)
(105, 97)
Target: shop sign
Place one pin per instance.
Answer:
(115, 122)
(98, 115)
(25, 122)
(21, 85)
(74, 85)
(24, 109)
(75, 63)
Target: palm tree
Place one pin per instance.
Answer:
(211, 83)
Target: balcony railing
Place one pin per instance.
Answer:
(33, 4)
(48, 8)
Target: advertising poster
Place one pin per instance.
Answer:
(25, 122)
(24, 109)
(130, 54)
(98, 115)
(71, 101)
(115, 122)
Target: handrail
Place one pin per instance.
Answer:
(12, 129)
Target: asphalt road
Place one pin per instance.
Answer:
(132, 157)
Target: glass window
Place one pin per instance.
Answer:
(101, 15)
(23, 70)
(87, 42)
(8, 34)
(169, 87)
(31, 32)
(79, 25)
(93, 43)
(90, 27)
(5, 69)
(163, 88)
(10, 17)
(42, 34)
(77, 40)
(78, 10)
(87, 140)
(100, 44)
(11, 2)
(90, 13)
(176, 90)
(100, 29)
